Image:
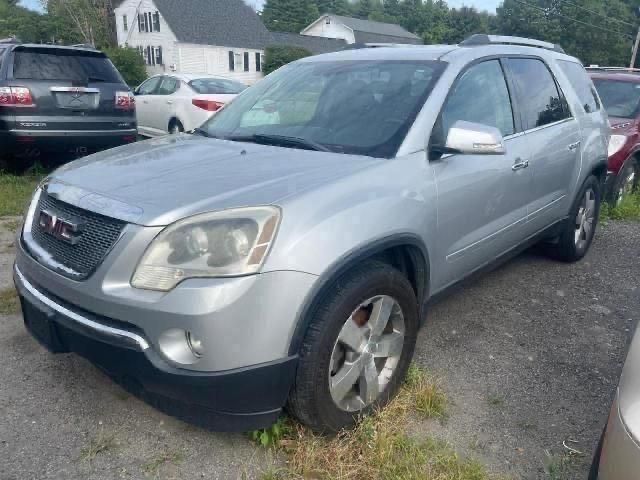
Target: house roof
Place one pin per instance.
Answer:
(315, 45)
(228, 23)
(369, 28)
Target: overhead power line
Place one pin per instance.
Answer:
(599, 14)
(535, 7)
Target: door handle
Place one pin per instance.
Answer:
(520, 164)
(169, 102)
(573, 146)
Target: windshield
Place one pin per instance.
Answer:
(620, 99)
(211, 86)
(355, 107)
(72, 65)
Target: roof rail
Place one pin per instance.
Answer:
(598, 68)
(482, 39)
(84, 45)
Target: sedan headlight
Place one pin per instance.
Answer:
(219, 244)
(616, 142)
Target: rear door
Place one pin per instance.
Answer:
(163, 104)
(553, 136)
(72, 89)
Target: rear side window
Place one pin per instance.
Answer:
(582, 85)
(541, 103)
(69, 65)
(216, 85)
(480, 96)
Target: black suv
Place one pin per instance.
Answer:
(60, 99)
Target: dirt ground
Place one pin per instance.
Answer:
(529, 356)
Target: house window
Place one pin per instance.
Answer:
(125, 23)
(159, 56)
(140, 23)
(258, 62)
(246, 61)
(238, 60)
(156, 22)
(232, 65)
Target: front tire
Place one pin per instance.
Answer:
(175, 127)
(357, 349)
(580, 228)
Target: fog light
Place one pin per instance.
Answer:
(195, 344)
(180, 346)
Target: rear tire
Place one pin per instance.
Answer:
(577, 235)
(323, 396)
(626, 182)
(175, 127)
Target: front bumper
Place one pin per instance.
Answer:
(620, 457)
(234, 400)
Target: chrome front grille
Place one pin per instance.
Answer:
(81, 257)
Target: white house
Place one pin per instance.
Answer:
(355, 30)
(217, 37)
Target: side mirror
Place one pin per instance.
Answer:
(474, 138)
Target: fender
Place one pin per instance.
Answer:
(349, 260)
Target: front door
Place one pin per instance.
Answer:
(482, 199)
(144, 111)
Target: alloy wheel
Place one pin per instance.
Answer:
(366, 353)
(627, 187)
(585, 219)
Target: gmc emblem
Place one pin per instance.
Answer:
(60, 228)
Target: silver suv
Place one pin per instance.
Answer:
(284, 253)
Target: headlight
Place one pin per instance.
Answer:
(616, 142)
(218, 244)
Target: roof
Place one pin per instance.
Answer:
(228, 23)
(401, 52)
(367, 28)
(315, 45)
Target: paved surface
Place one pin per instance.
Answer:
(529, 355)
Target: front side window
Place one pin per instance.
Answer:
(479, 96)
(168, 86)
(2, 50)
(356, 107)
(541, 101)
(150, 86)
(582, 85)
(620, 98)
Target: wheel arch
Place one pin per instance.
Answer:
(406, 252)
(172, 120)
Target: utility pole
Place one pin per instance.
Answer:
(635, 46)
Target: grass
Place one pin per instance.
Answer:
(15, 192)
(9, 302)
(152, 467)
(378, 448)
(103, 442)
(559, 467)
(629, 209)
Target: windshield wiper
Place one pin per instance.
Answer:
(280, 140)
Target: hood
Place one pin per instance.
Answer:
(159, 181)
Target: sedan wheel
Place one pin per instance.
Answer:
(366, 353)
(627, 186)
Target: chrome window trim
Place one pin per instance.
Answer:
(531, 130)
(115, 332)
(75, 89)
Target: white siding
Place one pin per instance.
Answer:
(215, 61)
(134, 38)
(320, 28)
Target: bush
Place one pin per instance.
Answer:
(129, 63)
(277, 56)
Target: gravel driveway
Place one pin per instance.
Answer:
(529, 355)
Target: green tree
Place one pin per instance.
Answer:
(129, 63)
(289, 15)
(337, 7)
(278, 55)
(16, 21)
(86, 21)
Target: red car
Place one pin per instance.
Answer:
(619, 90)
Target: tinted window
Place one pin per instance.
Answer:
(541, 102)
(1, 55)
(360, 107)
(168, 86)
(581, 84)
(71, 65)
(480, 96)
(150, 86)
(216, 85)
(620, 99)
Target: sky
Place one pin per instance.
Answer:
(489, 5)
